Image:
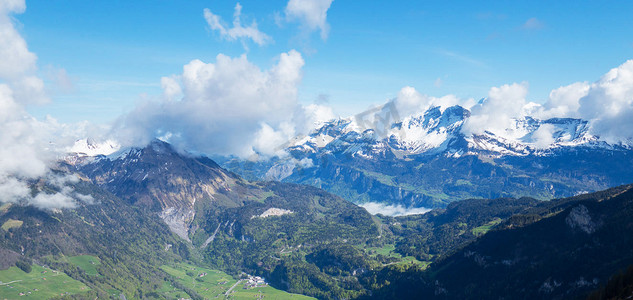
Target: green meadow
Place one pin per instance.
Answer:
(40, 283)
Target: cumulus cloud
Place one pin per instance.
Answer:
(607, 104)
(28, 147)
(314, 115)
(497, 112)
(171, 88)
(311, 13)
(230, 106)
(564, 101)
(392, 210)
(238, 31)
(18, 64)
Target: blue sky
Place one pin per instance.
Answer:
(115, 52)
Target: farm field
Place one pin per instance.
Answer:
(214, 284)
(40, 283)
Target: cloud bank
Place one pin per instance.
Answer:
(606, 103)
(28, 147)
(230, 106)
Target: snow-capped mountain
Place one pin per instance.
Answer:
(435, 157)
(423, 160)
(440, 130)
(89, 147)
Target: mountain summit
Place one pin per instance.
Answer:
(159, 178)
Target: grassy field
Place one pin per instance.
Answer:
(214, 284)
(10, 223)
(87, 263)
(40, 283)
(389, 250)
(486, 227)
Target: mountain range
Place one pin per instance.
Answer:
(433, 158)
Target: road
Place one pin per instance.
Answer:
(231, 289)
(10, 282)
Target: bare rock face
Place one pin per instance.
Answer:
(178, 220)
(579, 218)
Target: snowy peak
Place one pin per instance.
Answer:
(432, 130)
(90, 147)
(532, 136)
(439, 130)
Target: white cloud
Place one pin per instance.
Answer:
(171, 88)
(542, 137)
(496, 113)
(52, 201)
(314, 115)
(28, 147)
(564, 101)
(230, 106)
(16, 58)
(608, 104)
(18, 64)
(392, 210)
(237, 31)
(311, 13)
(12, 190)
(268, 141)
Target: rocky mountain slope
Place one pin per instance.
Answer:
(161, 180)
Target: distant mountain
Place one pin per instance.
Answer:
(428, 160)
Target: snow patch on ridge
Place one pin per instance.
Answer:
(89, 147)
